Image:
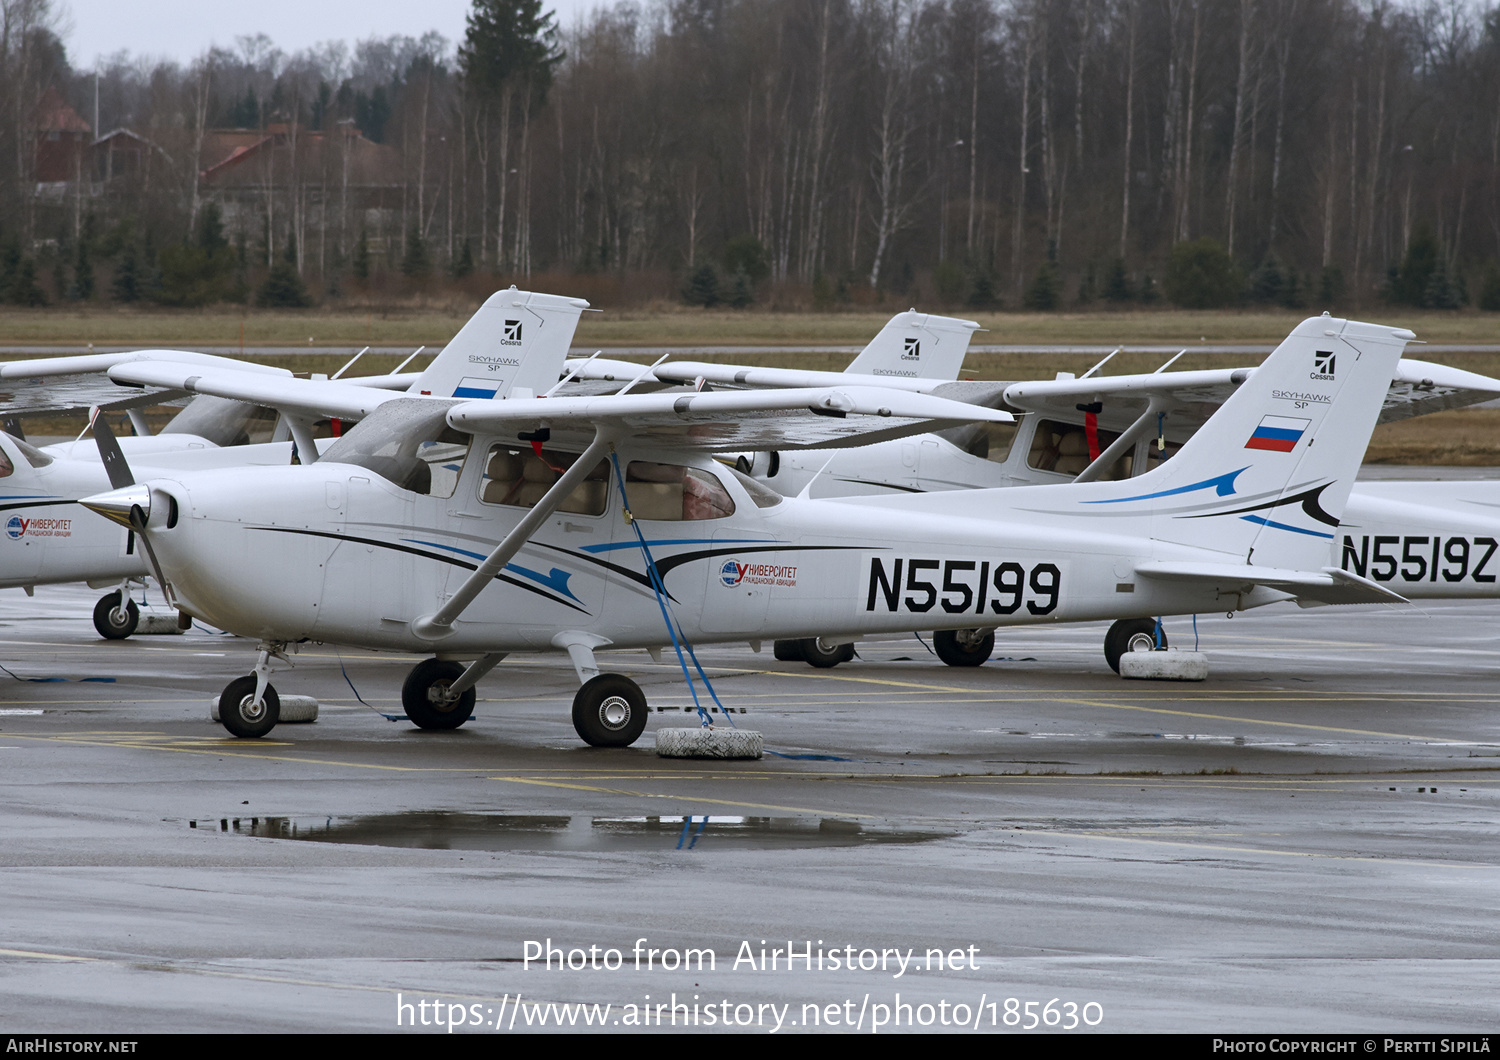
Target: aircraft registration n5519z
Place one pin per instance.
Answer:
(471, 529)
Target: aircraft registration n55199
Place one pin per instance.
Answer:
(470, 529)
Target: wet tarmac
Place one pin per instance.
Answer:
(1308, 841)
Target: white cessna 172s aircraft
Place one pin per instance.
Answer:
(47, 540)
(474, 528)
(1424, 539)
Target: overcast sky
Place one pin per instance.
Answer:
(183, 29)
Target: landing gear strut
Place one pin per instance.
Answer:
(963, 647)
(249, 707)
(1131, 634)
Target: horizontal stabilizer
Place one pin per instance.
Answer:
(1329, 586)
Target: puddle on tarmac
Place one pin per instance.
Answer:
(482, 831)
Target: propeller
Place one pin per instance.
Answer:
(127, 503)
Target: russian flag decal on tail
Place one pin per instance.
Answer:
(1279, 434)
(481, 389)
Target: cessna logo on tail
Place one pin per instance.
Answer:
(912, 350)
(512, 333)
(1322, 365)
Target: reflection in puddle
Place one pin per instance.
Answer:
(483, 831)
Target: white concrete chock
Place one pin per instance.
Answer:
(158, 623)
(1164, 665)
(293, 709)
(708, 743)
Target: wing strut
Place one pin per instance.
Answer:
(439, 624)
(1147, 419)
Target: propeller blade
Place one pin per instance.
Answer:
(109, 452)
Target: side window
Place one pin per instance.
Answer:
(443, 460)
(1063, 448)
(671, 492)
(6, 467)
(520, 478)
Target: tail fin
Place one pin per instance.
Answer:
(514, 346)
(1267, 477)
(917, 345)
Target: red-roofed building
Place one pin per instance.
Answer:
(62, 140)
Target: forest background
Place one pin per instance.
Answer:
(798, 154)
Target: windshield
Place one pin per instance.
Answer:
(223, 422)
(34, 456)
(407, 442)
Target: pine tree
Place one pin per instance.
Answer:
(463, 264)
(127, 283)
(1118, 288)
(283, 288)
(1044, 293)
(415, 263)
(361, 263)
(702, 288)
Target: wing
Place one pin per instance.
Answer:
(58, 384)
(603, 369)
(1418, 387)
(318, 398)
(728, 421)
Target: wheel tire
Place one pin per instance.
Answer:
(104, 617)
(788, 651)
(819, 654)
(239, 714)
(964, 647)
(610, 711)
(426, 678)
(1130, 634)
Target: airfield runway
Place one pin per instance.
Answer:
(1309, 841)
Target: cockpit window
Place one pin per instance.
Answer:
(34, 456)
(672, 492)
(407, 442)
(763, 496)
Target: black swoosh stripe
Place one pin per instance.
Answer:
(33, 504)
(1309, 499)
(454, 560)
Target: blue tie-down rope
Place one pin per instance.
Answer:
(377, 710)
(669, 617)
(50, 680)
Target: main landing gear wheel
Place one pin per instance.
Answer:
(1130, 634)
(963, 647)
(825, 656)
(425, 697)
(241, 715)
(111, 622)
(788, 651)
(609, 711)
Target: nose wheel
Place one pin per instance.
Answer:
(610, 711)
(245, 716)
(113, 621)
